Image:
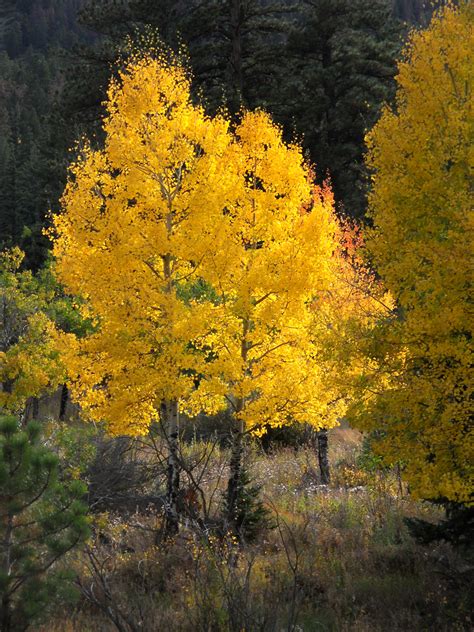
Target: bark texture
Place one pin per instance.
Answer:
(173, 481)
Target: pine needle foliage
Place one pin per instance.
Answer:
(41, 520)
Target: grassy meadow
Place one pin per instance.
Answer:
(332, 558)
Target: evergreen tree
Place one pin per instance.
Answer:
(39, 24)
(33, 147)
(7, 188)
(247, 514)
(339, 70)
(235, 47)
(41, 519)
(31, 181)
(415, 11)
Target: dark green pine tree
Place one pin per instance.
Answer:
(8, 221)
(339, 70)
(249, 516)
(416, 11)
(235, 47)
(39, 24)
(33, 151)
(33, 157)
(41, 520)
(88, 68)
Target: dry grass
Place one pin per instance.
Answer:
(340, 559)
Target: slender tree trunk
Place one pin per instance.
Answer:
(323, 456)
(399, 480)
(31, 410)
(233, 485)
(5, 615)
(172, 492)
(35, 408)
(63, 402)
(170, 406)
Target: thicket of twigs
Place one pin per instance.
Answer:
(335, 557)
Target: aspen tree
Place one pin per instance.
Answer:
(421, 244)
(175, 199)
(139, 218)
(29, 357)
(277, 259)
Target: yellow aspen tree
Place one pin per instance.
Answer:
(422, 244)
(139, 219)
(29, 357)
(174, 201)
(343, 318)
(277, 258)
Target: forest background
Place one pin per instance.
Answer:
(56, 59)
(323, 70)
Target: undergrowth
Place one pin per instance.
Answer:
(337, 558)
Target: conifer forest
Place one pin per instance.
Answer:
(236, 324)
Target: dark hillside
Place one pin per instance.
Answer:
(39, 24)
